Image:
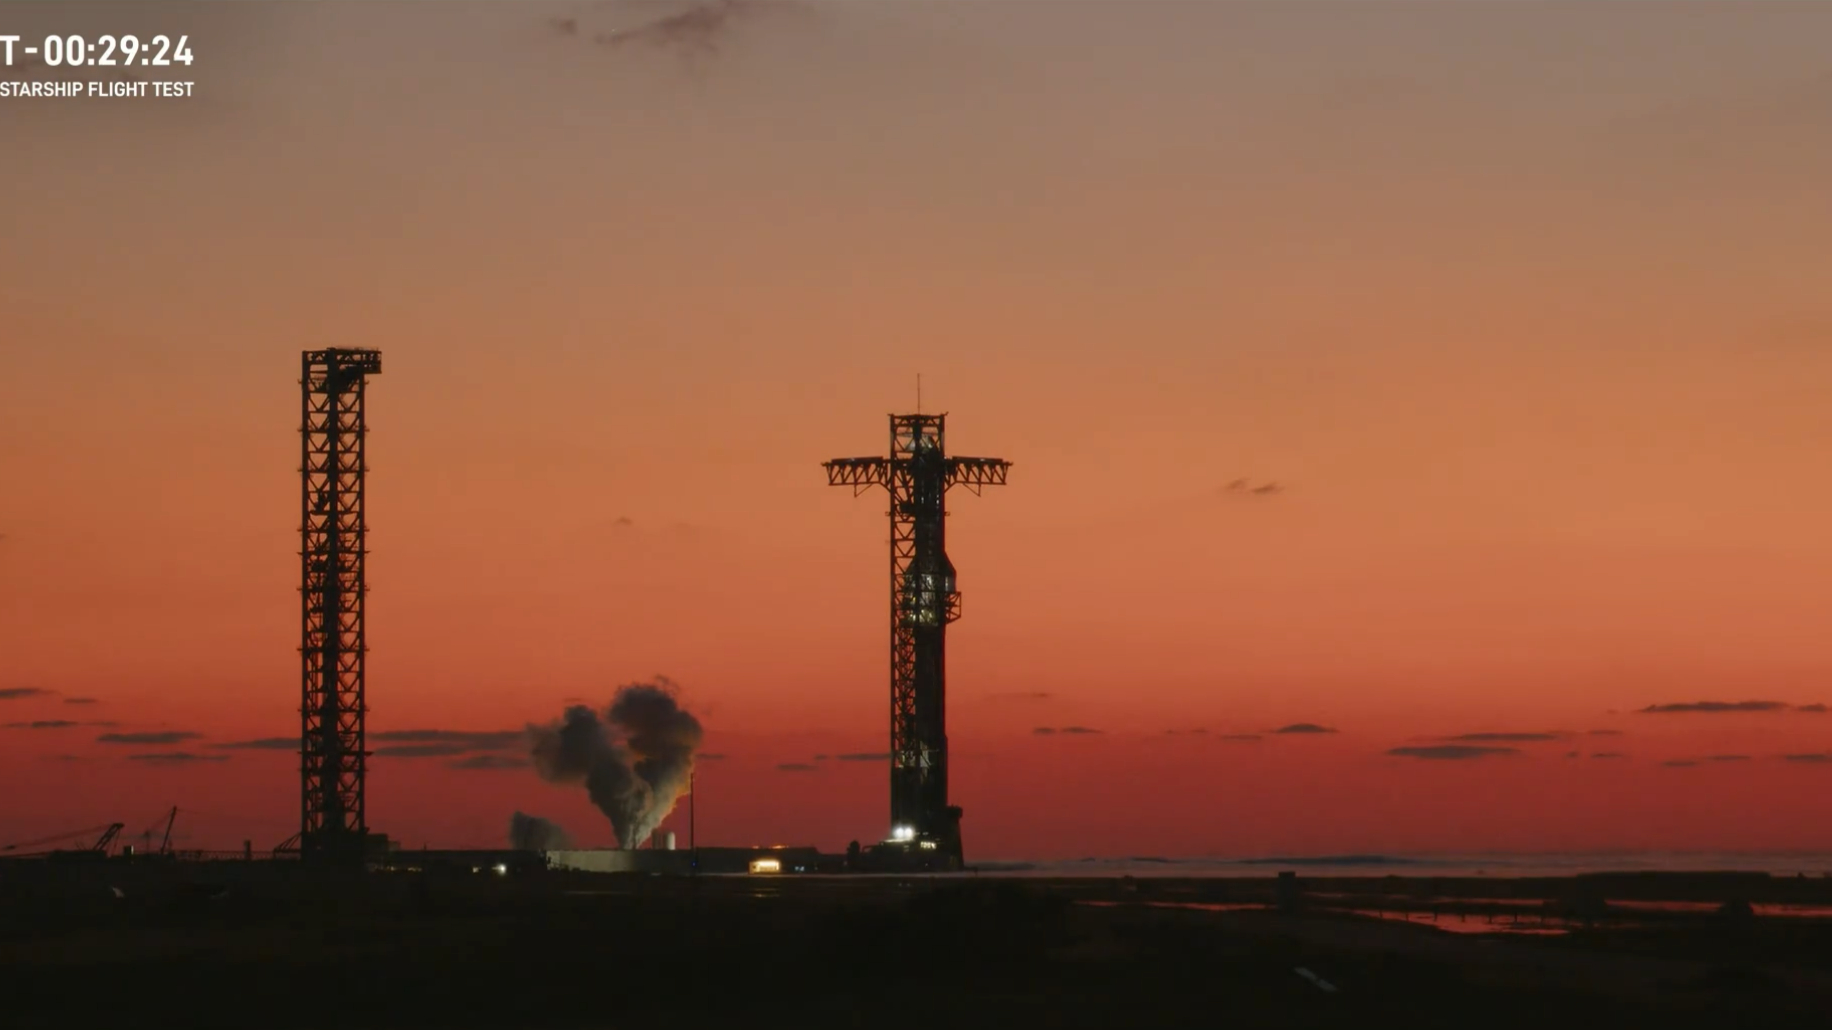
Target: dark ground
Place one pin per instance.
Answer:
(276, 950)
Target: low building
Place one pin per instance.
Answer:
(709, 861)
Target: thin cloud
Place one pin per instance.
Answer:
(177, 757)
(155, 737)
(1609, 754)
(1044, 731)
(43, 724)
(1604, 733)
(1239, 736)
(1729, 758)
(1816, 709)
(81, 701)
(486, 762)
(1245, 488)
(1679, 763)
(1305, 727)
(469, 740)
(1815, 757)
(1715, 706)
(699, 28)
(15, 693)
(422, 751)
(261, 744)
(865, 756)
(1504, 738)
(1451, 752)
(709, 756)
(1023, 695)
(1198, 732)
(795, 767)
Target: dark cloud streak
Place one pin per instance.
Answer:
(1714, 707)
(470, 740)
(261, 744)
(155, 737)
(421, 751)
(1451, 752)
(489, 762)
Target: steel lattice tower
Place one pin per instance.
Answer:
(918, 474)
(332, 642)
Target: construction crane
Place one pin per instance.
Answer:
(97, 850)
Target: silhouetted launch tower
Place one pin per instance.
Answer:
(332, 645)
(918, 474)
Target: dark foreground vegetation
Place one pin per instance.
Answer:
(263, 947)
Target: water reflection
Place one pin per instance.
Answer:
(1510, 916)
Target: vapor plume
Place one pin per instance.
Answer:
(634, 760)
(533, 833)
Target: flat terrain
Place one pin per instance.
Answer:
(263, 947)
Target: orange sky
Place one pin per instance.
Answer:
(1523, 305)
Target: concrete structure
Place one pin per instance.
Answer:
(681, 863)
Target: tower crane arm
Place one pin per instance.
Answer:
(858, 473)
(974, 473)
(54, 839)
(108, 837)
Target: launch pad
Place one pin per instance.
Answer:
(925, 828)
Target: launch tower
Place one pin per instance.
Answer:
(918, 474)
(332, 641)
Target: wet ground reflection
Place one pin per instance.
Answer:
(1511, 917)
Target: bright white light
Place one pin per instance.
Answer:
(766, 865)
(501, 869)
(903, 833)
